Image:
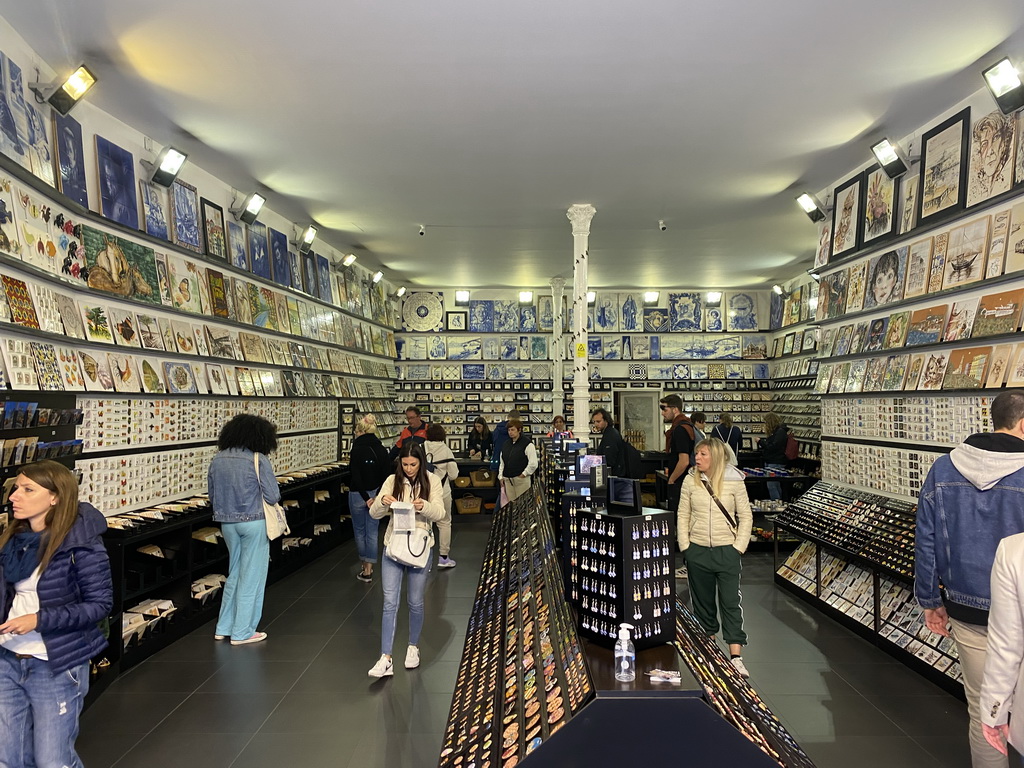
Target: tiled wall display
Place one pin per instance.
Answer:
(943, 419)
(895, 471)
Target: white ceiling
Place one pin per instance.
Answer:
(484, 121)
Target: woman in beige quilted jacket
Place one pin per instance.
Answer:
(713, 527)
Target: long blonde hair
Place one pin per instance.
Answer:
(719, 453)
(58, 480)
(771, 423)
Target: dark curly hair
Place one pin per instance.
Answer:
(246, 430)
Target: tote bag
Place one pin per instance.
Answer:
(410, 548)
(273, 514)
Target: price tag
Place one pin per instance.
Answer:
(581, 349)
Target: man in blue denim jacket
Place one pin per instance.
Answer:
(970, 501)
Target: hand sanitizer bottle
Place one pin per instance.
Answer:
(625, 656)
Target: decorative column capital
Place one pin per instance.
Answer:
(557, 284)
(581, 215)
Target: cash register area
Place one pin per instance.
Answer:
(303, 698)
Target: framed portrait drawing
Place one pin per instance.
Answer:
(154, 209)
(259, 254)
(457, 320)
(237, 245)
(990, 168)
(70, 158)
(880, 196)
(279, 262)
(846, 217)
(213, 227)
(185, 225)
(943, 168)
(117, 183)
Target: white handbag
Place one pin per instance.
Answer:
(410, 548)
(273, 514)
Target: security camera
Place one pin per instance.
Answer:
(423, 231)
(661, 225)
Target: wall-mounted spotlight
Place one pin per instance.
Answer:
(249, 209)
(811, 206)
(423, 230)
(401, 292)
(780, 291)
(890, 158)
(713, 298)
(526, 297)
(651, 298)
(167, 166)
(661, 225)
(1004, 82)
(62, 96)
(462, 298)
(591, 297)
(349, 260)
(307, 240)
(815, 276)
(377, 276)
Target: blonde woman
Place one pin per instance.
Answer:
(713, 524)
(368, 466)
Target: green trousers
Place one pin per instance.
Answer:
(714, 572)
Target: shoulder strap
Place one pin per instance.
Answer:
(732, 523)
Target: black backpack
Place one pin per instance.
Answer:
(632, 462)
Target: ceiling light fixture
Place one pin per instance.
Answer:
(591, 297)
(462, 298)
(713, 298)
(306, 243)
(890, 157)
(377, 276)
(249, 209)
(651, 298)
(811, 206)
(401, 292)
(526, 297)
(167, 166)
(63, 96)
(349, 260)
(780, 291)
(1004, 82)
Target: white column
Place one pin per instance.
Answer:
(580, 215)
(557, 346)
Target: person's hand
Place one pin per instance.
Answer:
(387, 500)
(20, 625)
(937, 620)
(996, 736)
(523, 475)
(418, 505)
(371, 501)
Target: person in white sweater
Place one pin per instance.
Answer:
(412, 483)
(446, 469)
(1001, 723)
(713, 525)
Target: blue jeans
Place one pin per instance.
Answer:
(241, 607)
(391, 580)
(364, 526)
(39, 712)
(774, 487)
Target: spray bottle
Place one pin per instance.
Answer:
(625, 656)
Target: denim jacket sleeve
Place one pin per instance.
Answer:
(926, 577)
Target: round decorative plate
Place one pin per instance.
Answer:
(423, 312)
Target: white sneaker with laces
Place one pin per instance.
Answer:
(383, 667)
(412, 657)
(740, 666)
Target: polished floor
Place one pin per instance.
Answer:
(303, 698)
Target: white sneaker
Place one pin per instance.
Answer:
(681, 572)
(740, 666)
(412, 657)
(445, 562)
(383, 667)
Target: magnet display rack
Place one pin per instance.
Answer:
(857, 564)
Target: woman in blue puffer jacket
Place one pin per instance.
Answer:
(54, 587)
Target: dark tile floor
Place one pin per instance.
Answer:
(303, 698)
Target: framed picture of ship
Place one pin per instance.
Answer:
(965, 254)
(998, 313)
(944, 168)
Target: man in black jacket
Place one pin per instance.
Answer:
(611, 445)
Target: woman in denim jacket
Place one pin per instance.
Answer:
(235, 492)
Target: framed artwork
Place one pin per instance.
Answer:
(967, 368)
(185, 225)
(990, 168)
(999, 362)
(787, 343)
(655, 320)
(311, 285)
(259, 254)
(965, 254)
(295, 269)
(685, 311)
(926, 325)
(961, 319)
(943, 168)
(154, 209)
(457, 320)
(323, 277)
(630, 317)
(919, 260)
(506, 316)
(70, 158)
(237, 245)
(280, 267)
(481, 316)
(886, 276)
(997, 245)
(846, 217)
(213, 228)
(545, 313)
(908, 203)
(880, 195)
(857, 282)
(998, 313)
(824, 250)
(117, 183)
